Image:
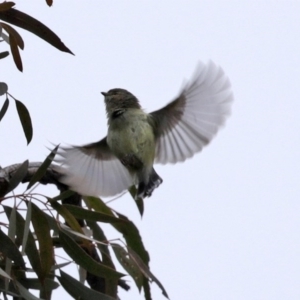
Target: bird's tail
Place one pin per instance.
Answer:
(145, 190)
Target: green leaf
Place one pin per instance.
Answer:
(84, 260)
(26, 227)
(145, 270)
(4, 108)
(35, 284)
(15, 52)
(18, 176)
(12, 32)
(4, 54)
(98, 205)
(41, 171)
(6, 5)
(139, 202)
(111, 285)
(11, 288)
(81, 213)
(42, 231)
(10, 250)
(75, 288)
(3, 88)
(31, 249)
(4, 274)
(24, 292)
(49, 2)
(69, 218)
(63, 195)
(12, 236)
(20, 19)
(25, 119)
(99, 235)
(129, 265)
(132, 236)
(127, 228)
(59, 266)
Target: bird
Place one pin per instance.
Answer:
(136, 140)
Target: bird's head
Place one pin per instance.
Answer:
(116, 99)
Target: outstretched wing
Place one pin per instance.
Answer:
(93, 170)
(187, 124)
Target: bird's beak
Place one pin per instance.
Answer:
(104, 94)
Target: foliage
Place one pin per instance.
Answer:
(29, 242)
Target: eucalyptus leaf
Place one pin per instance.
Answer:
(42, 231)
(43, 168)
(128, 264)
(4, 108)
(25, 120)
(75, 288)
(3, 88)
(84, 260)
(4, 54)
(10, 250)
(31, 249)
(18, 176)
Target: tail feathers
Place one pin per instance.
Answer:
(146, 190)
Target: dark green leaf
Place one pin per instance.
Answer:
(9, 249)
(27, 22)
(53, 223)
(4, 54)
(75, 288)
(24, 292)
(84, 260)
(6, 5)
(132, 236)
(145, 270)
(98, 234)
(15, 52)
(70, 219)
(128, 264)
(11, 288)
(59, 266)
(4, 274)
(139, 202)
(43, 168)
(147, 290)
(63, 195)
(4, 108)
(49, 2)
(12, 235)
(26, 227)
(25, 120)
(85, 214)
(3, 88)
(18, 176)
(31, 249)
(35, 284)
(42, 231)
(127, 228)
(98, 205)
(12, 32)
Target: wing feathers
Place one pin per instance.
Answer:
(88, 174)
(190, 122)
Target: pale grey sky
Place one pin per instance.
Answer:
(225, 224)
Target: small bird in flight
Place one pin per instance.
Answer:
(136, 140)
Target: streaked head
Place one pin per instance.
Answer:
(119, 98)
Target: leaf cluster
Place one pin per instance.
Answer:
(39, 226)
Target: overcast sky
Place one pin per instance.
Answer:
(224, 224)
